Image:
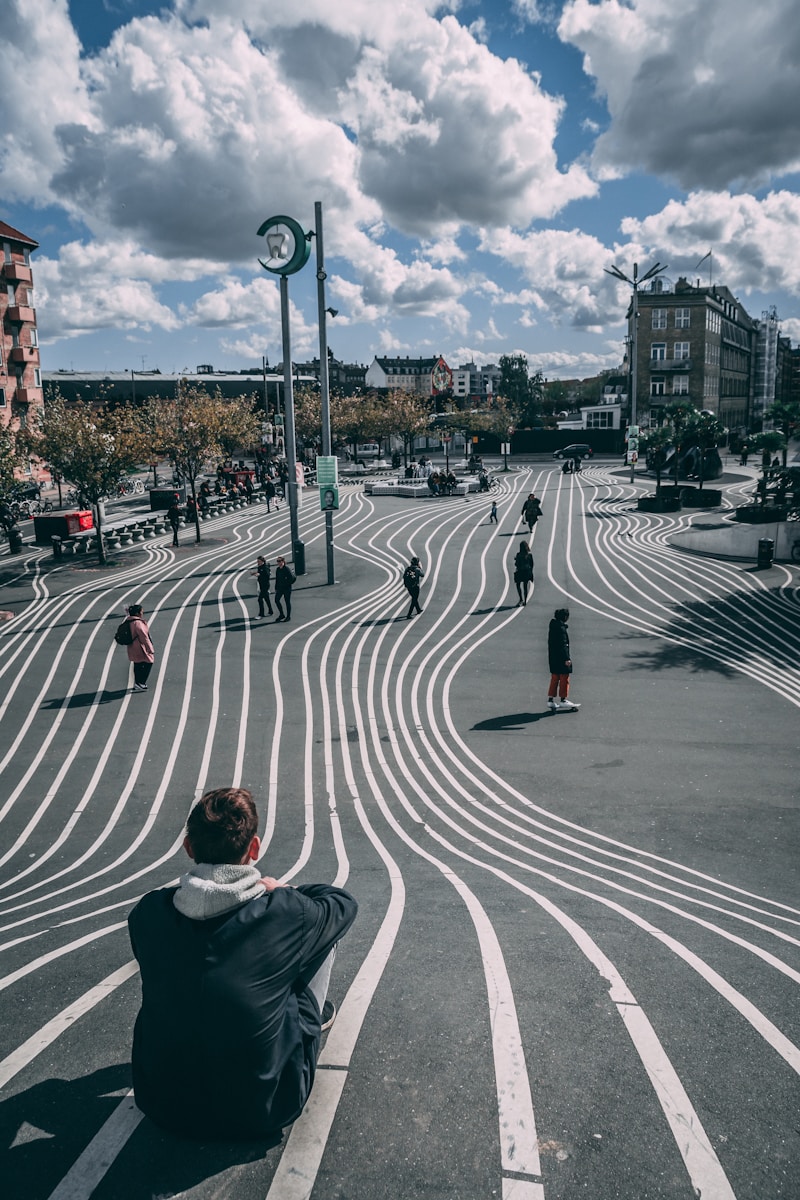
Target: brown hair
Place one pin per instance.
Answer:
(222, 825)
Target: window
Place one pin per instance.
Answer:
(682, 318)
(6, 252)
(658, 351)
(11, 292)
(680, 350)
(680, 385)
(2, 397)
(26, 255)
(659, 320)
(713, 321)
(599, 420)
(657, 385)
(37, 377)
(34, 337)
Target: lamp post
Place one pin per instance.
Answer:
(324, 380)
(634, 283)
(288, 249)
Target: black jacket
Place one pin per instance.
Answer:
(284, 580)
(558, 647)
(264, 574)
(225, 1044)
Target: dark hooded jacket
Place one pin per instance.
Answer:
(558, 647)
(225, 1044)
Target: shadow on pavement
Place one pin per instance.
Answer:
(86, 699)
(510, 721)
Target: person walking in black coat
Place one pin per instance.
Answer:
(174, 516)
(284, 581)
(235, 971)
(558, 654)
(523, 572)
(270, 493)
(263, 574)
(412, 577)
(531, 511)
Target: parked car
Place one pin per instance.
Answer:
(578, 450)
(367, 450)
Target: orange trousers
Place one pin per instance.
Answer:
(560, 684)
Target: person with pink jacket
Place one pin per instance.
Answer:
(140, 650)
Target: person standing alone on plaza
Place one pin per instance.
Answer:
(140, 648)
(523, 572)
(531, 511)
(174, 517)
(284, 581)
(412, 577)
(235, 971)
(560, 662)
(263, 574)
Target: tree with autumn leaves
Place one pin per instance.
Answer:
(92, 447)
(194, 429)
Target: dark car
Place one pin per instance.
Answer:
(579, 450)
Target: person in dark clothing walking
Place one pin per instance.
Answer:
(560, 663)
(235, 971)
(412, 577)
(270, 492)
(493, 513)
(284, 581)
(523, 572)
(263, 573)
(174, 517)
(531, 511)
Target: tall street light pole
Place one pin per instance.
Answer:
(635, 284)
(288, 248)
(324, 378)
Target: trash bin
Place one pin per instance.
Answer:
(766, 551)
(14, 540)
(58, 549)
(299, 557)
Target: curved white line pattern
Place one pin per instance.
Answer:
(350, 716)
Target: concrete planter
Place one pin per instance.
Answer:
(757, 514)
(701, 497)
(668, 501)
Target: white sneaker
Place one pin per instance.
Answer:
(568, 706)
(552, 703)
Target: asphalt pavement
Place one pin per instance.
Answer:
(575, 966)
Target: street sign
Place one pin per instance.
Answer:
(633, 444)
(633, 456)
(328, 498)
(327, 470)
(633, 431)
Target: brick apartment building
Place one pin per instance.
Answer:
(20, 372)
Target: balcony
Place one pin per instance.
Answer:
(24, 354)
(670, 364)
(18, 272)
(21, 314)
(28, 395)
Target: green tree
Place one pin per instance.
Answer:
(706, 431)
(786, 416)
(10, 461)
(91, 447)
(768, 443)
(403, 414)
(524, 393)
(679, 415)
(655, 444)
(194, 429)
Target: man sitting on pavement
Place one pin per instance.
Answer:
(235, 971)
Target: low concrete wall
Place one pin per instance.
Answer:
(725, 539)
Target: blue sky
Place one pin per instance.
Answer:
(479, 164)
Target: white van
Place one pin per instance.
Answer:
(367, 450)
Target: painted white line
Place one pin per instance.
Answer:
(39, 1041)
(300, 1161)
(89, 1169)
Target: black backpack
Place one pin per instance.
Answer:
(124, 634)
(410, 577)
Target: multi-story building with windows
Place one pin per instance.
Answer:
(696, 344)
(425, 376)
(471, 382)
(20, 372)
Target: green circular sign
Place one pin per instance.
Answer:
(288, 247)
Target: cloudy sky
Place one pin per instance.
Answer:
(479, 163)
